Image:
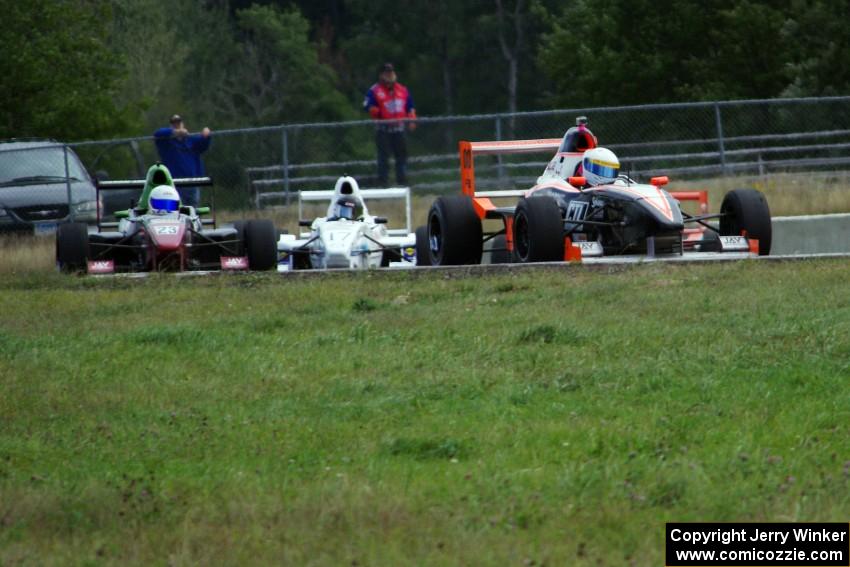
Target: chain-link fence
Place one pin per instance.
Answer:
(260, 167)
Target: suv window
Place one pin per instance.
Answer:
(38, 165)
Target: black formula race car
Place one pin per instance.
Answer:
(565, 216)
(160, 234)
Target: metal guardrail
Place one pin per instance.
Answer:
(761, 165)
(761, 136)
(256, 167)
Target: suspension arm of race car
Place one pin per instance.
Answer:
(107, 246)
(594, 223)
(701, 218)
(383, 246)
(211, 242)
(303, 247)
(492, 235)
(220, 244)
(116, 245)
(577, 223)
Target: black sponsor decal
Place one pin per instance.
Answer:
(576, 210)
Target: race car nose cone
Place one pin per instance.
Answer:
(167, 235)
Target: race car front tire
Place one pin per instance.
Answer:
(260, 244)
(538, 230)
(72, 247)
(423, 257)
(746, 210)
(454, 232)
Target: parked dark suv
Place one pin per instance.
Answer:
(34, 187)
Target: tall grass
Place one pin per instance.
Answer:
(787, 194)
(22, 254)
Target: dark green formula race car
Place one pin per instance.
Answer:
(159, 233)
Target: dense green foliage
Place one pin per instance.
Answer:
(86, 68)
(58, 74)
(605, 52)
(395, 418)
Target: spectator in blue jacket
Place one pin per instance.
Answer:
(181, 152)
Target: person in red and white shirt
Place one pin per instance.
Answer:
(389, 103)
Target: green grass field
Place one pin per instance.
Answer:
(540, 418)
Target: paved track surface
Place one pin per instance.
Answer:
(596, 264)
(794, 238)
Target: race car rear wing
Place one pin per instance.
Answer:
(468, 151)
(367, 195)
(140, 183)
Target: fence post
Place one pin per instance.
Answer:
(285, 140)
(500, 168)
(720, 145)
(71, 215)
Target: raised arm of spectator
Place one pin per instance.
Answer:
(162, 139)
(410, 109)
(370, 105)
(165, 132)
(200, 142)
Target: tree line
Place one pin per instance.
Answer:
(77, 69)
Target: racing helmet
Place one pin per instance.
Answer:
(344, 208)
(600, 166)
(164, 199)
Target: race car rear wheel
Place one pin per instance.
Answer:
(747, 210)
(538, 230)
(454, 232)
(72, 247)
(260, 244)
(423, 257)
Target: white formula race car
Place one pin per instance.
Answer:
(348, 236)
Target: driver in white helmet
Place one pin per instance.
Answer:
(163, 200)
(344, 208)
(600, 166)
